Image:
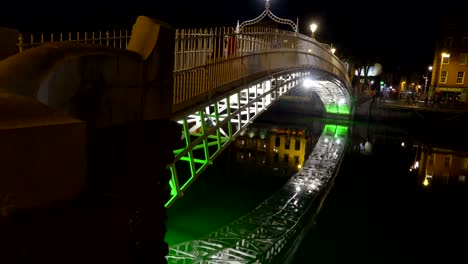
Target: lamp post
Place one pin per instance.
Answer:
(313, 28)
(426, 90)
(332, 49)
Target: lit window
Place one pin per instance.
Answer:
(443, 76)
(463, 59)
(445, 60)
(460, 77)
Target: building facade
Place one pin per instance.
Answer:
(442, 166)
(450, 66)
(281, 150)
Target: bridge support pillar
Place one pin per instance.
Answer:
(129, 163)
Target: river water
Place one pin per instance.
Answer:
(401, 192)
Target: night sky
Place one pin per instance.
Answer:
(400, 33)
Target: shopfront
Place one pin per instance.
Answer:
(452, 95)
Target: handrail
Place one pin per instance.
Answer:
(206, 59)
(113, 38)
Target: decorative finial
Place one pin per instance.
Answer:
(237, 27)
(265, 13)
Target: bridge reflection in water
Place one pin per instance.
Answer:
(241, 221)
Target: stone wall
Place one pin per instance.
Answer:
(92, 187)
(9, 39)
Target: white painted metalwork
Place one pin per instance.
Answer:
(265, 13)
(261, 235)
(112, 39)
(208, 62)
(208, 129)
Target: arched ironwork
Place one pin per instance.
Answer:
(264, 14)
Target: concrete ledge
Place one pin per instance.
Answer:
(9, 39)
(24, 73)
(42, 155)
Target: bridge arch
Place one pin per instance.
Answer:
(210, 127)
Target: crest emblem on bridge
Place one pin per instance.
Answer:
(267, 13)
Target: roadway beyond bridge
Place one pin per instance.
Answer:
(123, 95)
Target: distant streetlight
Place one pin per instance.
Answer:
(445, 55)
(313, 28)
(333, 49)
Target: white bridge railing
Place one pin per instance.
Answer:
(114, 39)
(206, 59)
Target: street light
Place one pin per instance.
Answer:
(313, 28)
(333, 49)
(427, 78)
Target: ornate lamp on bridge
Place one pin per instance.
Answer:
(313, 28)
(332, 49)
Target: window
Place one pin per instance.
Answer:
(463, 59)
(445, 60)
(276, 157)
(460, 77)
(443, 76)
(286, 157)
(277, 141)
(287, 142)
(297, 144)
(296, 159)
(447, 161)
(448, 42)
(465, 41)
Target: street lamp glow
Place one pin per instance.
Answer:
(313, 28)
(425, 182)
(445, 55)
(308, 83)
(429, 68)
(333, 50)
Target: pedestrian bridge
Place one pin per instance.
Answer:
(213, 82)
(222, 79)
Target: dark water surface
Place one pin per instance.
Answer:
(381, 211)
(401, 197)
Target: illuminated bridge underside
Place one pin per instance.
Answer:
(209, 129)
(260, 236)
